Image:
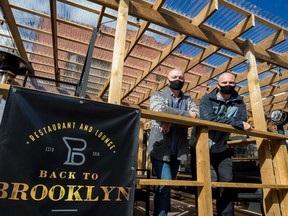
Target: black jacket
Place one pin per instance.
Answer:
(214, 108)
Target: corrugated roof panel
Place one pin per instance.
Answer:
(189, 8)
(281, 48)
(258, 33)
(163, 29)
(239, 68)
(42, 7)
(142, 51)
(228, 53)
(155, 40)
(196, 41)
(260, 12)
(188, 50)
(76, 15)
(86, 3)
(30, 20)
(216, 60)
(224, 19)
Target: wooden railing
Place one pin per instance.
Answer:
(275, 199)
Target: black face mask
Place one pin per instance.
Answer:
(176, 84)
(228, 89)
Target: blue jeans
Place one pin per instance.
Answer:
(168, 171)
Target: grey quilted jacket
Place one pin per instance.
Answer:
(159, 146)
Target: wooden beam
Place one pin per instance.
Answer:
(9, 17)
(270, 199)
(53, 12)
(280, 160)
(182, 26)
(4, 89)
(205, 205)
(134, 41)
(118, 54)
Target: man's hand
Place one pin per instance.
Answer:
(247, 126)
(165, 128)
(194, 114)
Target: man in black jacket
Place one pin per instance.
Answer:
(223, 105)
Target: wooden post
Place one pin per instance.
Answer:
(270, 198)
(140, 164)
(280, 161)
(205, 205)
(118, 54)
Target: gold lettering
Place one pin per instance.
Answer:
(52, 192)
(121, 190)
(44, 130)
(53, 175)
(89, 194)
(3, 191)
(53, 127)
(16, 190)
(43, 194)
(58, 126)
(32, 138)
(36, 135)
(72, 175)
(62, 175)
(72, 193)
(40, 132)
(43, 174)
(107, 192)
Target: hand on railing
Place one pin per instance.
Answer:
(194, 114)
(165, 128)
(247, 126)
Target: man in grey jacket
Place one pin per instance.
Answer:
(223, 105)
(168, 142)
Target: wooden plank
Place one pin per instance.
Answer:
(182, 120)
(53, 12)
(141, 148)
(205, 205)
(118, 54)
(280, 162)
(4, 89)
(158, 182)
(248, 185)
(6, 9)
(270, 199)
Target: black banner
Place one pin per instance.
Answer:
(62, 155)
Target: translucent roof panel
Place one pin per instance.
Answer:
(258, 33)
(261, 12)
(189, 8)
(281, 48)
(155, 40)
(43, 7)
(86, 3)
(76, 15)
(188, 50)
(215, 60)
(224, 19)
(28, 19)
(162, 29)
(196, 41)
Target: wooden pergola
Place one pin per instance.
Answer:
(139, 42)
